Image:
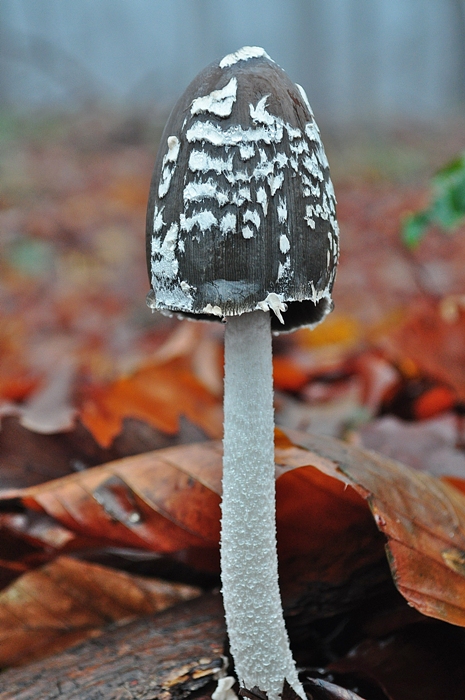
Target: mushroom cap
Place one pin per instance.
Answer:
(242, 212)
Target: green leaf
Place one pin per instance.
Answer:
(447, 207)
(453, 169)
(30, 257)
(414, 228)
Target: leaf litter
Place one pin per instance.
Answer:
(73, 279)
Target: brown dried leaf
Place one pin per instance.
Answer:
(330, 552)
(66, 601)
(168, 501)
(163, 501)
(423, 519)
(173, 653)
(435, 341)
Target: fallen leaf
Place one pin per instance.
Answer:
(422, 517)
(434, 342)
(17, 553)
(168, 501)
(428, 445)
(33, 539)
(339, 329)
(163, 501)
(417, 397)
(330, 553)
(170, 654)
(17, 380)
(66, 601)
(288, 375)
(158, 394)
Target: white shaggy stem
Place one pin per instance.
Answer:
(249, 564)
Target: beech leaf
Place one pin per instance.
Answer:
(171, 654)
(158, 394)
(433, 337)
(422, 517)
(66, 601)
(331, 497)
(163, 501)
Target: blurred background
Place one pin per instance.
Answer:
(362, 61)
(85, 88)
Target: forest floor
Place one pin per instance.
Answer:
(89, 375)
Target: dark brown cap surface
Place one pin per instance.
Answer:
(241, 212)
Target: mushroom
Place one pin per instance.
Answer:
(241, 227)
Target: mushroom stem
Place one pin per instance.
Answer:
(249, 563)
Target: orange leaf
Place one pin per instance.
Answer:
(158, 394)
(66, 601)
(163, 501)
(287, 375)
(434, 342)
(17, 387)
(168, 501)
(337, 330)
(456, 482)
(422, 517)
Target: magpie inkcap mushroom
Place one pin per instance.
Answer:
(241, 212)
(241, 227)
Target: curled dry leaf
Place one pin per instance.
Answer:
(422, 518)
(66, 601)
(168, 501)
(161, 501)
(330, 552)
